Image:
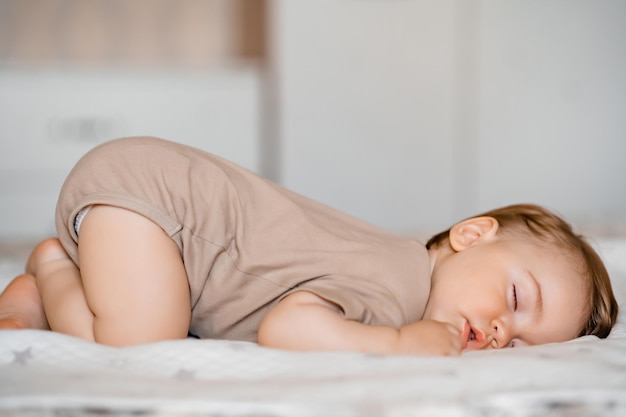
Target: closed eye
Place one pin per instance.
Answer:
(514, 298)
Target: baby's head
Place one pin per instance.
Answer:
(519, 275)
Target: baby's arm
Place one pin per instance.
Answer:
(305, 321)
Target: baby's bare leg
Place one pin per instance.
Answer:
(132, 286)
(20, 305)
(133, 277)
(61, 289)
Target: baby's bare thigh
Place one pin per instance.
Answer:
(134, 278)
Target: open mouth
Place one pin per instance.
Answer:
(472, 335)
(472, 339)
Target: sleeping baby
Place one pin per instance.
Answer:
(157, 240)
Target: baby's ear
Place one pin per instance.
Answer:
(472, 231)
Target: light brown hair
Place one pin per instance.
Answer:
(549, 228)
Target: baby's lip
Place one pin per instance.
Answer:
(473, 338)
(465, 334)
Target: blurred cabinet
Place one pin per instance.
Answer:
(49, 119)
(131, 33)
(75, 73)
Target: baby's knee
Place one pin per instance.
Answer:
(47, 250)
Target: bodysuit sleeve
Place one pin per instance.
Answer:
(363, 301)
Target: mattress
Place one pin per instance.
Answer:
(49, 374)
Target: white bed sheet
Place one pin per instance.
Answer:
(43, 373)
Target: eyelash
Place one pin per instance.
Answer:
(514, 298)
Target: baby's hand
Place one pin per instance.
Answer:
(428, 337)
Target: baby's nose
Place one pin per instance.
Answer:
(500, 335)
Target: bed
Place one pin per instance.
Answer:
(48, 374)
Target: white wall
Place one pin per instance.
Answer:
(366, 106)
(407, 113)
(552, 102)
(414, 113)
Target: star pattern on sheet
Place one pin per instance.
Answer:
(22, 357)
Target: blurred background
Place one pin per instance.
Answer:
(410, 114)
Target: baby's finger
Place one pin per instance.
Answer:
(455, 348)
(453, 330)
(456, 344)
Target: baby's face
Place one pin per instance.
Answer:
(508, 293)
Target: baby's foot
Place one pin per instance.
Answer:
(47, 254)
(20, 305)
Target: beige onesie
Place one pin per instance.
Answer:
(247, 242)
